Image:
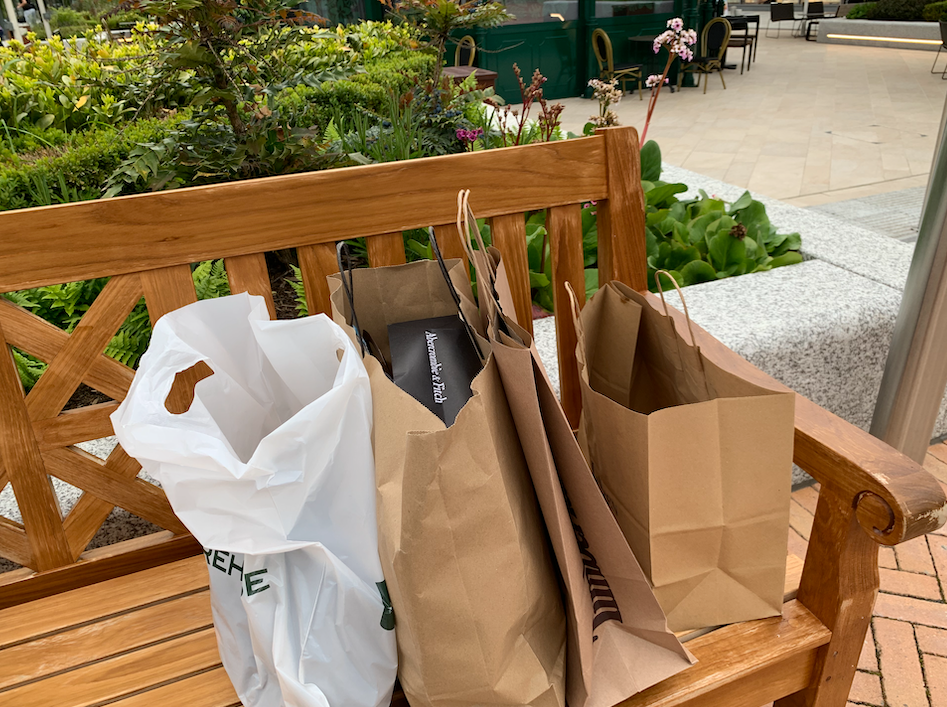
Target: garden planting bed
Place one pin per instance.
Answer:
(927, 31)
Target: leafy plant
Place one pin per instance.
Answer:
(935, 12)
(902, 10)
(63, 306)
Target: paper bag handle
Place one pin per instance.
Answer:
(454, 295)
(486, 287)
(687, 317)
(577, 324)
(680, 294)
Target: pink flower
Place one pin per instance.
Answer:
(654, 80)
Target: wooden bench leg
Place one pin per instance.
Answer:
(841, 595)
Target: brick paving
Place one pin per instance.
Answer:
(904, 660)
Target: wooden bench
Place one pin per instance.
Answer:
(129, 624)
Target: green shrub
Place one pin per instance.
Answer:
(67, 17)
(77, 169)
(399, 72)
(63, 306)
(860, 11)
(899, 10)
(936, 12)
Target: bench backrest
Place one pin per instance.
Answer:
(146, 244)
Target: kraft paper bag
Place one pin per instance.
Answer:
(618, 639)
(464, 551)
(695, 462)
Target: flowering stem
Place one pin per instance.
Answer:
(654, 97)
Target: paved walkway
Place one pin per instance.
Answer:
(904, 661)
(809, 124)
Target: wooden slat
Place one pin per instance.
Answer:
(839, 586)
(23, 461)
(97, 565)
(86, 342)
(43, 340)
(14, 544)
(165, 290)
(138, 233)
(208, 689)
(81, 469)
(74, 426)
(110, 598)
(623, 214)
(103, 639)
(248, 273)
(122, 675)
(386, 249)
(448, 240)
(564, 224)
(509, 235)
(316, 262)
(744, 665)
(90, 511)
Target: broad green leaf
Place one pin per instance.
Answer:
(698, 271)
(741, 203)
(591, 281)
(790, 258)
(650, 161)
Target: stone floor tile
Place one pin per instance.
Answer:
(917, 611)
(914, 556)
(900, 663)
(797, 545)
(807, 497)
(910, 584)
(938, 547)
(886, 558)
(868, 660)
(931, 640)
(866, 688)
(800, 519)
(935, 671)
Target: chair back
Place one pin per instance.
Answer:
(816, 9)
(779, 11)
(466, 49)
(602, 46)
(943, 33)
(714, 38)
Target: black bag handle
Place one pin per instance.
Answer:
(365, 340)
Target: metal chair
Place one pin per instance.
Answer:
(943, 45)
(814, 11)
(607, 70)
(466, 49)
(780, 12)
(713, 44)
(741, 23)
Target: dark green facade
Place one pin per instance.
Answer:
(554, 36)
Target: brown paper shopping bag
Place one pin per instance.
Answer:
(695, 462)
(478, 613)
(618, 639)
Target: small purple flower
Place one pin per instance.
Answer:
(468, 137)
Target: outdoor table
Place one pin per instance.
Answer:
(651, 63)
(485, 77)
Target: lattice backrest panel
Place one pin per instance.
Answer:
(146, 245)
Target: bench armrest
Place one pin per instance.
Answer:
(895, 498)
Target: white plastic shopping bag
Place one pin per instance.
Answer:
(271, 469)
